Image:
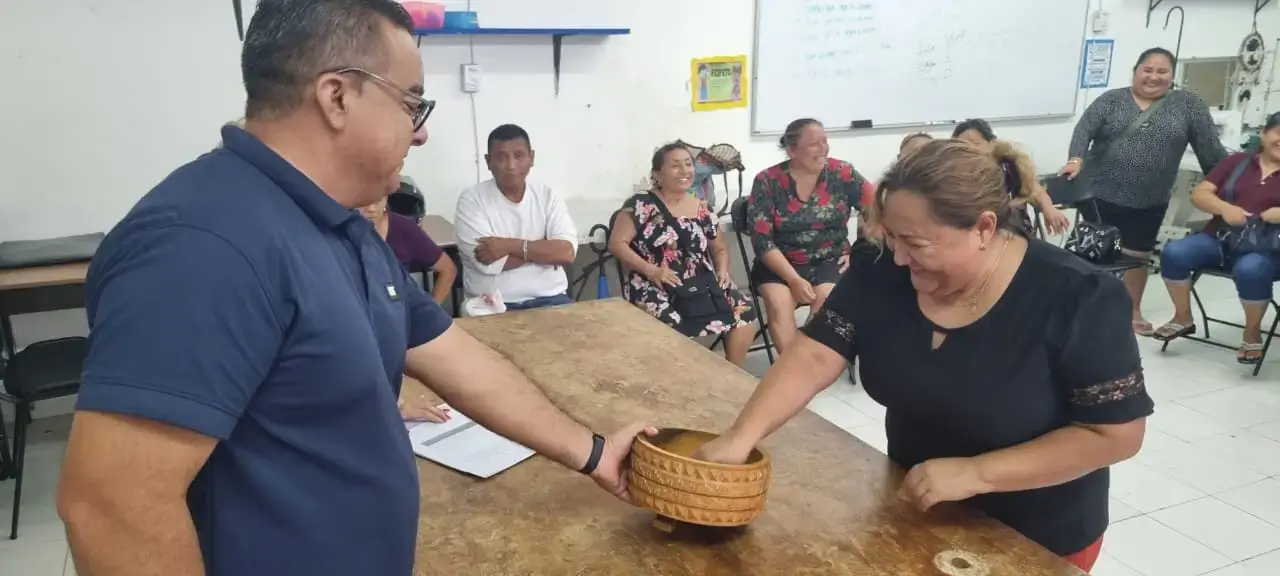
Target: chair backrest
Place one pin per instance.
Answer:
(738, 213)
(725, 176)
(742, 229)
(608, 236)
(407, 201)
(1067, 192)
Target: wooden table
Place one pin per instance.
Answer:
(832, 508)
(39, 289)
(43, 276)
(440, 230)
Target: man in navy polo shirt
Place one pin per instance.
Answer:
(249, 332)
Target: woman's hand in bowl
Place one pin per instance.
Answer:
(723, 450)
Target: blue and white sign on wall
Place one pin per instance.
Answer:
(1095, 71)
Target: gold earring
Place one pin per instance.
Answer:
(982, 246)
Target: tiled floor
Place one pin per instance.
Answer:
(1203, 496)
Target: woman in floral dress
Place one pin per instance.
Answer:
(667, 238)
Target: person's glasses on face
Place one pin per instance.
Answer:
(416, 106)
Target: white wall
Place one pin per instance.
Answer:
(104, 98)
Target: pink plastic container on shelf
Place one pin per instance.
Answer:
(426, 15)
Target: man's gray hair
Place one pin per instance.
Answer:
(291, 42)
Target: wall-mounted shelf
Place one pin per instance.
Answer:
(524, 32)
(557, 38)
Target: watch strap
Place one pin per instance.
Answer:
(597, 450)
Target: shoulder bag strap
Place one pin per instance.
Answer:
(1229, 189)
(1132, 128)
(673, 223)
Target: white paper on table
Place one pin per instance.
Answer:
(465, 446)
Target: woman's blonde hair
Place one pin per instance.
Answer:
(961, 182)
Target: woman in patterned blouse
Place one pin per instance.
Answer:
(799, 216)
(1010, 379)
(1131, 178)
(667, 238)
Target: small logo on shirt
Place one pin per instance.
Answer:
(392, 293)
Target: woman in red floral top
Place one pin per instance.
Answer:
(799, 212)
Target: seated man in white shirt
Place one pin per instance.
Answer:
(515, 237)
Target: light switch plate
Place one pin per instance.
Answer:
(470, 78)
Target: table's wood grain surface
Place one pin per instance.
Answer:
(832, 508)
(439, 229)
(43, 276)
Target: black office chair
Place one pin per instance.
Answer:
(42, 371)
(741, 228)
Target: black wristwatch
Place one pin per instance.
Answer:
(597, 449)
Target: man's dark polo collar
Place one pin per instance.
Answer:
(319, 206)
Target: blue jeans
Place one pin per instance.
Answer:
(1253, 273)
(541, 302)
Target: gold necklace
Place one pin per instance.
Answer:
(973, 300)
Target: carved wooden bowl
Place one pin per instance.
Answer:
(666, 480)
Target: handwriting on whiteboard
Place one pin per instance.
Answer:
(845, 38)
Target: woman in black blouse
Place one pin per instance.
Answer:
(1007, 366)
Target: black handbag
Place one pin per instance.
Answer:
(1094, 241)
(699, 298)
(1256, 235)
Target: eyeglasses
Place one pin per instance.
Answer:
(419, 108)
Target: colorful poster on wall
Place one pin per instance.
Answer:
(1095, 71)
(719, 83)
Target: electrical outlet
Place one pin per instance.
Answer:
(470, 78)
(1101, 20)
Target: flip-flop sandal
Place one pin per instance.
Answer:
(1172, 331)
(1246, 348)
(1143, 328)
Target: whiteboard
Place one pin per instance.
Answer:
(913, 62)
